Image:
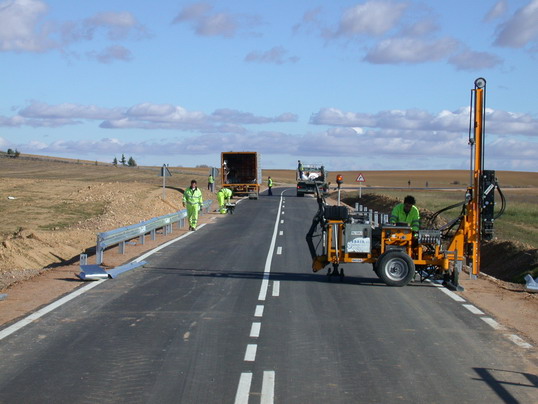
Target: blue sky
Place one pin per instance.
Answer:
(356, 85)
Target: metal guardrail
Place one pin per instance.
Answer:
(123, 234)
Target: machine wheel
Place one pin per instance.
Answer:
(396, 268)
(300, 194)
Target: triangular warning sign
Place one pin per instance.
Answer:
(360, 178)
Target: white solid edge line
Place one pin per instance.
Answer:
(47, 309)
(255, 330)
(250, 353)
(268, 387)
(493, 324)
(276, 288)
(243, 388)
(474, 309)
(452, 295)
(259, 311)
(518, 341)
(269, 259)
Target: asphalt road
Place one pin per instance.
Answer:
(233, 314)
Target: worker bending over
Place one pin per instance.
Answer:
(406, 212)
(223, 197)
(192, 199)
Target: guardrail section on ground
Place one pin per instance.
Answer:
(122, 235)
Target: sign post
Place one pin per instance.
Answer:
(360, 179)
(165, 172)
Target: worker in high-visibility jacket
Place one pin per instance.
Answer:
(406, 212)
(223, 197)
(270, 186)
(192, 200)
(211, 183)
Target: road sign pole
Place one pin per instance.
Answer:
(360, 191)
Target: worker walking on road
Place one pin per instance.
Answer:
(223, 197)
(192, 200)
(299, 170)
(406, 212)
(270, 186)
(211, 183)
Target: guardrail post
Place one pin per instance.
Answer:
(153, 235)
(143, 238)
(122, 247)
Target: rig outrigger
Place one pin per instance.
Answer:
(397, 252)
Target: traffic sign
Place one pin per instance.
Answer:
(360, 178)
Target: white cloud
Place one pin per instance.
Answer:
(276, 55)
(419, 123)
(469, 60)
(373, 18)
(206, 22)
(41, 110)
(498, 10)
(520, 29)
(21, 28)
(112, 53)
(411, 50)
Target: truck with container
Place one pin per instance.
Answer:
(242, 173)
(312, 177)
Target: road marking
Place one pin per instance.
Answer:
(282, 221)
(474, 309)
(276, 288)
(281, 233)
(283, 212)
(493, 323)
(268, 387)
(518, 341)
(452, 295)
(255, 330)
(269, 259)
(250, 353)
(279, 251)
(243, 388)
(47, 309)
(259, 311)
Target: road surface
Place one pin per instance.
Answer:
(233, 314)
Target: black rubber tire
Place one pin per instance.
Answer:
(300, 195)
(336, 213)
(395, 268)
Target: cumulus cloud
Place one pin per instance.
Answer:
(411, 50)
(373, 18)
(400, 123)
(141, 116)
(469, 60)
(21, 27)
(112, 53)
(275, 55)
(24, 28)
(520, 29)
(207, 22)
(497, 11)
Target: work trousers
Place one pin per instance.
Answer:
(192, 214)
(222, 202)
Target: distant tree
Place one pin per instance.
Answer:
(131, 162)
(123, 160)
(115, 161)
(13, 153)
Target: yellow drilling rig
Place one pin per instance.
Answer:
(396, 251)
